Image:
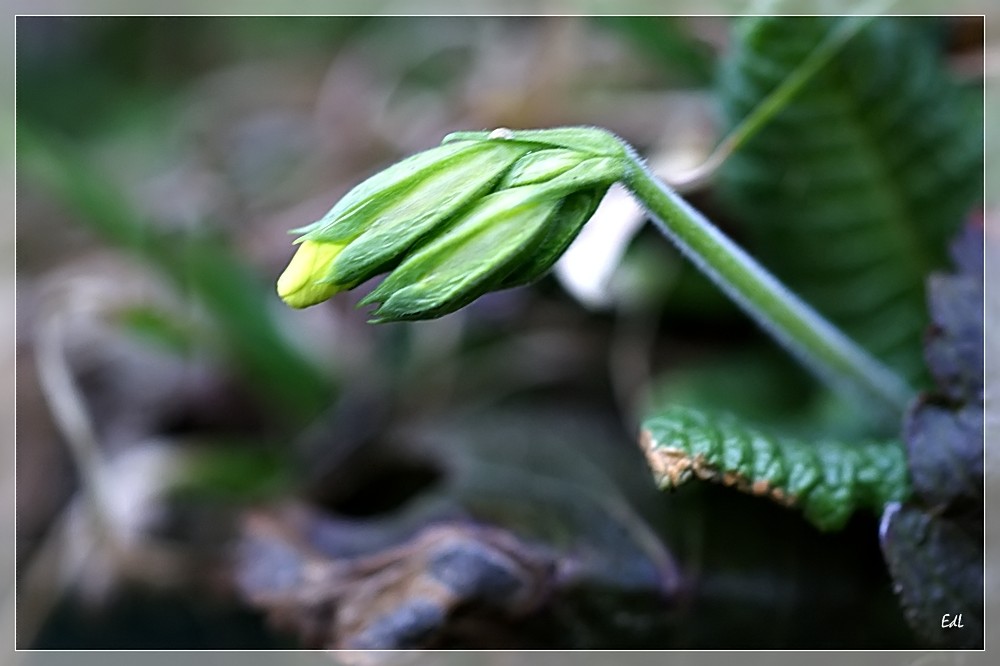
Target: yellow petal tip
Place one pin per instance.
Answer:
(300, 285)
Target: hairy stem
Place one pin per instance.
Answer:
(816, 342)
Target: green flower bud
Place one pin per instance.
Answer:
(385, 215)
(592, 141)
(403, 218)
(510, 237)
(482, 211)
(540, 166)
(476, 253)
(563, 228)
(425, 181)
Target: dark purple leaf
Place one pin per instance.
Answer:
(967, 249)
(944, 445)
(954, 342)
(934, 545)
(938, 572)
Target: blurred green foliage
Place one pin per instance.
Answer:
(87, 78)
(851, 192)
(666, 41)
(199, 264)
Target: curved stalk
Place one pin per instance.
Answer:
(817, 343)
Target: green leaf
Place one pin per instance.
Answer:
(851, 190)
(828, 480)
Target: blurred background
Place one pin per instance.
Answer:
(200, 467)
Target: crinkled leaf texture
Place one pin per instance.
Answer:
(934, 544)
(851, 192)
(828, 480)
(944, 446)
(954, 342)
(944, 430)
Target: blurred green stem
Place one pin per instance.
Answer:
(816, 342)
(769, 107)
